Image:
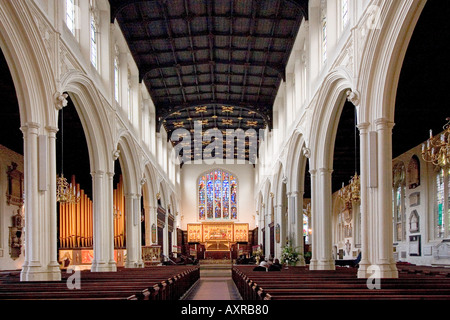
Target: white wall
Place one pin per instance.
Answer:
(246, 204)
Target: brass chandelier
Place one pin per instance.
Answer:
(351, 193)
(437, 148)
(65, 193)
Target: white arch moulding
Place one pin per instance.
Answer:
(379, 72)
(328, 107)
(132, 178)
(34, 83)
(100, 145)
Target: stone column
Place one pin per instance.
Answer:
(278, 221)
(133, 225)
(40, 222)
(322, 221)
(313, 222)
(384, 228)
(295, 223)
(364, 169)
(154, 221)
(267, 222)
(103, 239)
(261, 225)
(109, 227)
(148, 225)
(53, 265)
(325, 259)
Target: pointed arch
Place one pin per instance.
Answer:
(329, 105)
(29, 64)
(129, 162)
(296, 162)
(384, 52)
(98, 134)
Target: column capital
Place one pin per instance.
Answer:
(295, 193)
(384, 123)
(363, 127)
(31, 127)
(132, 195)
(97, 174)
(325, 170)
(52, 130)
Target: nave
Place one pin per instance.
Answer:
(215, 283)
(221, 282)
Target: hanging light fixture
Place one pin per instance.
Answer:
(351, 193)
(65, 193)
(437, 149)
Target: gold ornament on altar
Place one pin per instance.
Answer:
(350, 193)
(437, 149)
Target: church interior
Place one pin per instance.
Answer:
(157, 146)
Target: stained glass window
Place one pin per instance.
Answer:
(448, 201)
(399, 192)
(306, 228)
(217, 196)
(440, 204)
(202, 198)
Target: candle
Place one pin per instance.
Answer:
(431, 133)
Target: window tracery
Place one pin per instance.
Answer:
(217, 196)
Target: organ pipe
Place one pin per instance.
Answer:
(76, 219)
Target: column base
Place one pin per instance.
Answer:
(104, 267)
(301, 262)
(312, 264)
(381, 271)
(134, 264)
(35, 273)
(362, 270)
(322, 265)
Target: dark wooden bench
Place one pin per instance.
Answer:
(152, 283)
(300, 283)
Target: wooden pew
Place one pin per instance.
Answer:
(300, 283)
(154, 283)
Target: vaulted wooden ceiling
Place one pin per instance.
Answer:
(211, 55)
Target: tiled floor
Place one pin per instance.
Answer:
(214, 284)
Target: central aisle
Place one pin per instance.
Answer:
(215, 283)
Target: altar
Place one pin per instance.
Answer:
(218, 238)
